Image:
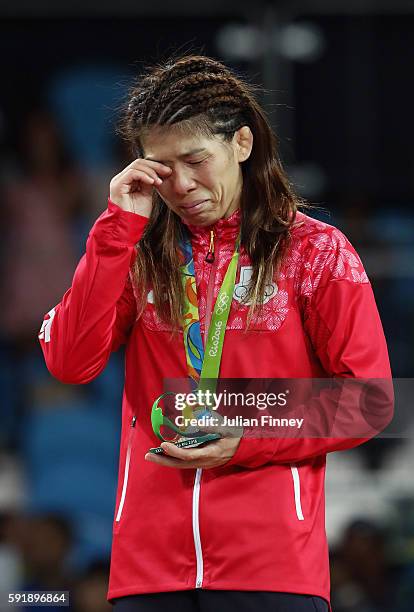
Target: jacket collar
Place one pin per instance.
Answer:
(226, 230)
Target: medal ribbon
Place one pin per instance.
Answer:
(203, 362)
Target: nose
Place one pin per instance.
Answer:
(182, 182)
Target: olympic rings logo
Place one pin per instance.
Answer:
(222, 303)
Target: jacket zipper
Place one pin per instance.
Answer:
(210, 252)
(196, 528)
(126, 470)
(296, 491)
(212, 259)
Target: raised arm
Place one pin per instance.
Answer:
(97, 312)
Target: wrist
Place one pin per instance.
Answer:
(143, 209)
(123, 226)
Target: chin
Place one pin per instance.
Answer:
(199, 222)
(202, 220)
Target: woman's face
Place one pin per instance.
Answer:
(206, 179)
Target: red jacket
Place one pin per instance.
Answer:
(257, 523)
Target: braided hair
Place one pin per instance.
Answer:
(201, 95)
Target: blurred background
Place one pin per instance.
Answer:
(339, 94)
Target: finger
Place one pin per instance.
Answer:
(143, 172)
(136, 176)
(158, 167)
(170, 462)
(141, 167)
(190, 454)
(172, 450)
(131, 174)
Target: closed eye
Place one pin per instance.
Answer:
(194, 163)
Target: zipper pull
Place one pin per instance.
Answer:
(134, 420)
(210, 253)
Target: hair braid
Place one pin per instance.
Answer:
(200, 100)
(194, 90)
(193, 64)
(163, 93)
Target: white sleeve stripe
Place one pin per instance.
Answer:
(44, 333)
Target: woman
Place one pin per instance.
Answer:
(238, 521)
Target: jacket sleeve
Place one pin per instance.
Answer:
(342, 323)
(97, 312)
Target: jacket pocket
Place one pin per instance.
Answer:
(121, 505)
(296, 492)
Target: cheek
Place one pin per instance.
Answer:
(165, 193)
(210, 178)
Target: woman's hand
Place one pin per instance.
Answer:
(211, 455)
(132, 189)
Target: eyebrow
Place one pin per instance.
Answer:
(186, 154)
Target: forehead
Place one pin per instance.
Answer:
(169, 143)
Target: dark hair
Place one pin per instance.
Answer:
(201, 95)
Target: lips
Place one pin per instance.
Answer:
(192, 204)
(193, 207)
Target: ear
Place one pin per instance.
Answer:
(243, 141)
